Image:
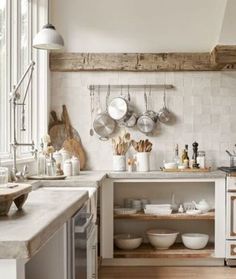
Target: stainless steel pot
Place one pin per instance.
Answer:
(118, 108)
(103, 124)
(147, 121)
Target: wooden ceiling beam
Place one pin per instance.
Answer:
(222, 57)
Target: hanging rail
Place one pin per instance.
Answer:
(154, 87)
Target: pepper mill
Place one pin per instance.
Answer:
(195, 151)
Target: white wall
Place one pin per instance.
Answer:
(138, 25)
(203, 102)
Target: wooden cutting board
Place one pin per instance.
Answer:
(71, 144)
(186, 170)
(57, 131)
(13, 193)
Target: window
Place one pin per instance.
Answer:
(20, 20)
(4, 85)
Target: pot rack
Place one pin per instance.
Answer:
(153, 87)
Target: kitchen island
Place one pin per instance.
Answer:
(23, 233)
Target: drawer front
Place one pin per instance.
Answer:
(231, 183)
(230, 249)
(231, 216)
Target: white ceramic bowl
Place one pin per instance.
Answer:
(162, 238)
(128, 241)
(170, 166)
(125, 211)
(195, 240)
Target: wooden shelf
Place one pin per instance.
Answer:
(176, 251)
(174, 216)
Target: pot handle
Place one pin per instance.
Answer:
(107, 96)
(145, 99)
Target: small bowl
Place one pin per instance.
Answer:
(195, 241)
(162, 238)
(128, 241)
(170, 166)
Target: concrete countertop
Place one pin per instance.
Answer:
(166, 175)
(84, 179)
(23, 233)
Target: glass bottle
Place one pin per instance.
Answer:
(176, 157)
(186, 159)
(41, 161)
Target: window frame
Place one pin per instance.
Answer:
(38, 114)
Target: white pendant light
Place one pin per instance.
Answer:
(48, 38)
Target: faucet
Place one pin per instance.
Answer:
(14, 99)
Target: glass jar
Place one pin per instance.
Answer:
(201, 159)
(3, 177)
(51, 166)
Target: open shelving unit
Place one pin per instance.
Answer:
(176, 251)
(174, 216)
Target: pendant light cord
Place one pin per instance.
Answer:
(48, 11)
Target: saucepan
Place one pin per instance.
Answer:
(103, 124)
(120, 110)
(147, 121)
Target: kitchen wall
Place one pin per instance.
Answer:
(203, 104)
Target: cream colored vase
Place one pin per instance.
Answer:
(143, 161)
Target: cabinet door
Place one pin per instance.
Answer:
(230, 249)
(231, 216)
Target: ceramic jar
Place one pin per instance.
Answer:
(75, 166)
(65, 156)
(67, 168)
(143, 161)
(119, 162)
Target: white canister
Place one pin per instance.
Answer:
(67, 168)
(119, 163)
(65, 156)
(143, 161)
(75, 166)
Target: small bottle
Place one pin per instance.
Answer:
(75, 165)
(201, 159)
(176, 157)
(186, 159)
(41, 161)
(67, 168)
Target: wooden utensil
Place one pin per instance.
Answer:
(71, 144)
(57, 131)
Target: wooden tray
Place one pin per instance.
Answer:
(46, 177)
(16, 193)
(186, 170)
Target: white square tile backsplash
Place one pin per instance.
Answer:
(203, 103)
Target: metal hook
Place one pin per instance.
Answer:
(128, 94)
